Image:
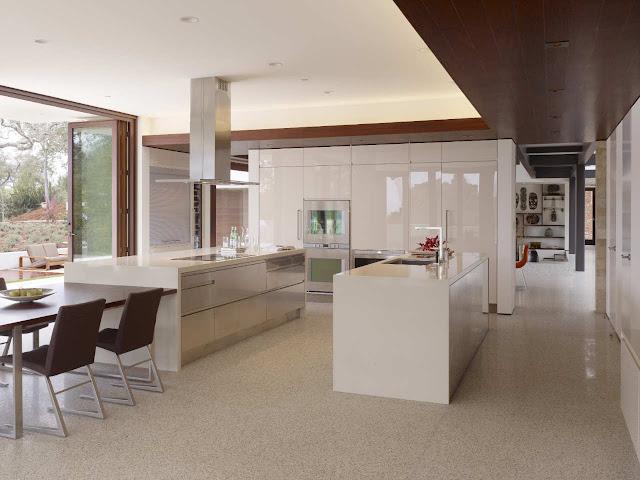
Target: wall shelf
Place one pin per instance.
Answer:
(535, 236)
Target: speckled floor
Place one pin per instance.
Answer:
(540, 401)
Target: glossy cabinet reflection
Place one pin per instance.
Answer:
(281, 191)
(379, 206)
(330, 182)
(470, 211)
(425, 205)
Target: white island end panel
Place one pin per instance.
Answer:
(372, 352)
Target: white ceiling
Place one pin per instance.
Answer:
(14, 109)
(141, 55)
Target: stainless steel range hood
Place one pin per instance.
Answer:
(210, 134)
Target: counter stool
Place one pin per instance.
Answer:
(35, 330)
(136, 329)
(73, 345)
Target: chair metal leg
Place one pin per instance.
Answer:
(158, 387)
(122, 401)
(61, 431)
(6, 347)
(523, 278)
(99, 412)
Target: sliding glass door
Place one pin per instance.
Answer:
(97, 189)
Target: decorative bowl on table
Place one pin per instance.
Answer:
(26, 295)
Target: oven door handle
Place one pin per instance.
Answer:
(298, 224)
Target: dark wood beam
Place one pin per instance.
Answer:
(550, 172)
(554, 149)
(553, 160)
(363, 129)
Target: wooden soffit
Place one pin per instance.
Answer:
(538, 71)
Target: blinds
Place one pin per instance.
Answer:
(169, 209)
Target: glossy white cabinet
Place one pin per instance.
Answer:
(314, 156)
(425, 152)
(281, 193)
(470, 211)
(476, 151)
(425, 194)
(630, 393)
(612, 151)
(380, 154)
(329, 182)
(282, 157)
(379, 207)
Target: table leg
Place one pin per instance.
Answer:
(16, 431)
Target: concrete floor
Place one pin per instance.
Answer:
(540, 401)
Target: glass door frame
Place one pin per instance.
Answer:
(123, 226)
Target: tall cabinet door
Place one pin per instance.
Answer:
(425, 205)
(611, 231)
(281, 206)
(623, 250)
(470, 211)
(379, 206)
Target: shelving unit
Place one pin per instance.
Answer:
(528, 233)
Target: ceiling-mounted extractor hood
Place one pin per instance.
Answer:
(210, 134)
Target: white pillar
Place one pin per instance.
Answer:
(506, 226)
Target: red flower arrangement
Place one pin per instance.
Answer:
(431, 244)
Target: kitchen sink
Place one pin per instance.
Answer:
(412, 261)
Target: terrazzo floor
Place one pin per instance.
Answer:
(539, 401)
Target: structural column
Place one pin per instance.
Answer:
(572, 214)
(579, 218)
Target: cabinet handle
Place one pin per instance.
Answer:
(613, 248)
(298, 224)
(627, 256)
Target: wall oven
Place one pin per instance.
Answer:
(327, 238)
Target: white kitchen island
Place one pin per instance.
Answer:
(409, 331)
(219, 301)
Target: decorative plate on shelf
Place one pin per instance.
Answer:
(26, 295)
(532, 219)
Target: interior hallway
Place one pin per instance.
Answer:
(540, 400)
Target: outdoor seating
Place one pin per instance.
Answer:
(43, 255)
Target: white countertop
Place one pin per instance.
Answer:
(456, 267)
(166, 259)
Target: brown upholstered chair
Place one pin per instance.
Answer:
(136, 329)
(73, 345)
(35, 330)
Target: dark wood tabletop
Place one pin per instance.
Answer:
(45, 310)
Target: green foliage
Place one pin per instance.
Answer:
(15, 236)
(10, 242)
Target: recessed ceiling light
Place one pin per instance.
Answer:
(41, 41)
(328, 92)
(557, 90)
(189, 19)
(275, 64)
(423, 49)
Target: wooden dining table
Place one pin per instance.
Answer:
(15, 316)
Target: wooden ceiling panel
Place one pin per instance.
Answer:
(497, 52)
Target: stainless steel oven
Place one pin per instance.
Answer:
(327, 238)
(323, 262)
